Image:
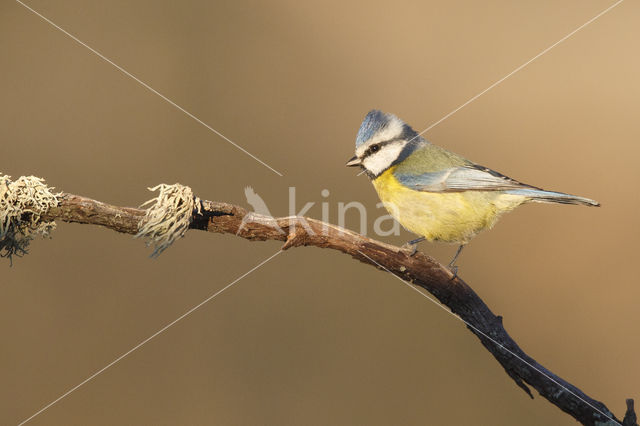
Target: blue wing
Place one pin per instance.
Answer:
(470, 177)
(478, 178)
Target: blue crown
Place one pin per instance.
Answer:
(372, 123)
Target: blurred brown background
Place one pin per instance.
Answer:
(313, 337)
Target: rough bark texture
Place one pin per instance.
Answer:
(419, 269)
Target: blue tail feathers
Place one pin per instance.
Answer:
(541, 196)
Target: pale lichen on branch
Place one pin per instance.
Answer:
(168, 216)
(23, 202)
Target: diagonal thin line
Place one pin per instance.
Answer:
(151, 89)
(163, 329)
(520, 67)
(500, 345)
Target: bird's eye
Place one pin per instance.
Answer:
(375, 148)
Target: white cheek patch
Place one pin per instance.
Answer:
(378, 162)
(392, 130)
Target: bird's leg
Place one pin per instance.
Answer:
(452, 265)
(416, 241)
(412, 246)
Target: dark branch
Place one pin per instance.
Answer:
(420, 270)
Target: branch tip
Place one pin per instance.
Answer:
(630, 418)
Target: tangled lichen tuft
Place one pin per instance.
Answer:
(169, 216)
(22, 204)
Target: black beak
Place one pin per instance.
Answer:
(354, 162)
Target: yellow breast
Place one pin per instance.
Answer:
(438, 216)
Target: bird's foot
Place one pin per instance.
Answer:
(454, 271)
(409, 249)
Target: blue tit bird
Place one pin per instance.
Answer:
(434, 193)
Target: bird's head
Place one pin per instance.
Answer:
(382, 141)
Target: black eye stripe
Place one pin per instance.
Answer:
(376, 147)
